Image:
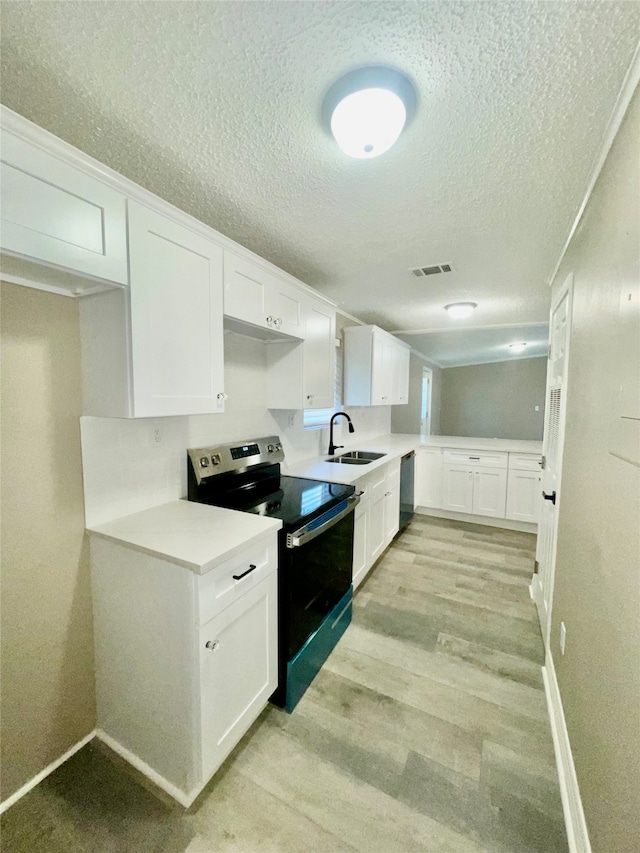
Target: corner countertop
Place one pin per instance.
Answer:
(396, 445)
(193, 535)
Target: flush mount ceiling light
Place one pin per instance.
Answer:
(367, 109)
(460, 310)
(516, 348)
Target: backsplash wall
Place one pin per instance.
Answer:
(125, 471)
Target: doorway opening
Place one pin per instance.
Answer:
(425, 405)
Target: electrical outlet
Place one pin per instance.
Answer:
(563, 637)
(536, 408)
(292, 421)
(156, 436)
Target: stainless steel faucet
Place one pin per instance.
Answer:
(333, 447)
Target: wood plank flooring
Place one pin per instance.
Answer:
(426, 730)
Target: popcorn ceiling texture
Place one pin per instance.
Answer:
(216, 108)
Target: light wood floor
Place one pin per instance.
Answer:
(426, 729)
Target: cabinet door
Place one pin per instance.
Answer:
(376, 532)
(489, 491)
(391, 513)
(55, 214)
(428, 481)
(284, 305)
(382, 370)
(176, 318)
(524, 495)
(319, 353)
(360, 533)
(400, 384)
(245, 290)
(238, 670)
(457, 488)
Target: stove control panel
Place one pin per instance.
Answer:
(207, 462)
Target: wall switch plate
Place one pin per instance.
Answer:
(536, 408)
(563, 637)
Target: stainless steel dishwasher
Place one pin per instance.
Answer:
(406, 488)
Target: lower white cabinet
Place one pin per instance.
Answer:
(237, 667)
(377, 517)
(524, 487)
(428, 477)
(475, 483)
(184, 662)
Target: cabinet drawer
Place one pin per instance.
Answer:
(485, 458)
(392, 474)
(377, 485)
(364, 485)
(524, 461)
(226, 583)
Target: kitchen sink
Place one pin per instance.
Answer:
(361, 454)
(356, 457)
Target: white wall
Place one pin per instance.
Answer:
(125, 472)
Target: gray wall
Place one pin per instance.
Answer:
(48, 694)
(495, 400)
(406, 419)
(597, 580)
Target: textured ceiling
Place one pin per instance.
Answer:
(216, 107)
(450, 348)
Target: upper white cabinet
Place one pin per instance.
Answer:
(376, 368)
(61, 224)
(254, 296)
(301, 375)
(157, 349)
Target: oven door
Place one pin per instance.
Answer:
(317, 572)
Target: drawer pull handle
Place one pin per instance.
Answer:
(251, 568)
(474, 457)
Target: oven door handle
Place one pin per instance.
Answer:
(308, 532)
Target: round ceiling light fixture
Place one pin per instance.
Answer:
(460, 310)
(517, 348)
(367, 109)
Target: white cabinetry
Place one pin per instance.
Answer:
(57, 219)
(474, 483)
(392, 500)
(428, 477)
(179, 682)
(377, 517)
(376, 367)
(157, 348)
(257, 297)
(524, 487)
(301, 375)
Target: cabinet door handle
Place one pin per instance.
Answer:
(551, 497)
(277, 321)
(212, 645)
(270, 320)
(251, 568)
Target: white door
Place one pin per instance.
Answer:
(425, 405)
(176, 318)
(238, 670)
(457, 488)
(489, 492)
(552, 447)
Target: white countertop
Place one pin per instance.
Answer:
(396, 445)
(190, 534)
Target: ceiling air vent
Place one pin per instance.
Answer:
(432, 270)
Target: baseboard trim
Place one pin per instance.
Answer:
(488, 521)
(158, 780)
(576, 825)
(10, 801)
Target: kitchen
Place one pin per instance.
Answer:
(132, 463)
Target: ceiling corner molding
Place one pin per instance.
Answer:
(620, 108)
(431, 362)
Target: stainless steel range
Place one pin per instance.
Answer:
(315, 551)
